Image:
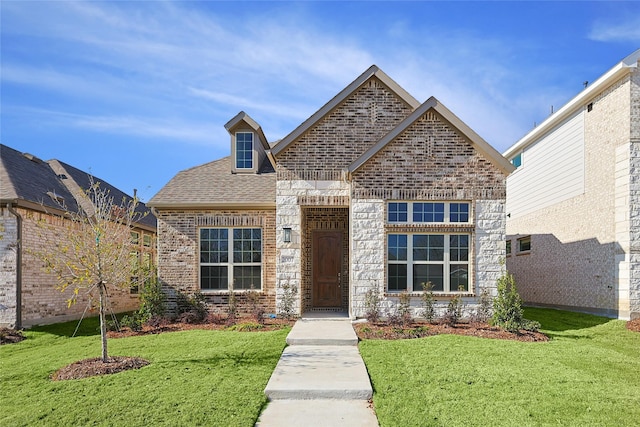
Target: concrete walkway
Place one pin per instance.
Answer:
(320, 379)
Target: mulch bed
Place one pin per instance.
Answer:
(10, 336)
(420, 330)
(634, 325)
(95, 366)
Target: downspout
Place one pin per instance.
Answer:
(18, 266)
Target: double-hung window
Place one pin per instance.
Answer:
(244, 150)
(415, 259)
(230, 258)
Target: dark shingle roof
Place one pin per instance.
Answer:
(25, 178)
(213, 184)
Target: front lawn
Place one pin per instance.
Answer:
(196, 377)
(587, 375)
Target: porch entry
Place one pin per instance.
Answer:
(327, 269)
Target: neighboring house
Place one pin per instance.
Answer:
(573, 204)
(33, 190)
(374, 191)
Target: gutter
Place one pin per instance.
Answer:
(18, 267)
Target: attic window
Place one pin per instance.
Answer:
(62, 176)
(589, 107)
(244, 150)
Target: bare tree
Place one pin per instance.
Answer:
(89, 251)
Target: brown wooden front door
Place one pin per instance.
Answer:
(327, 268)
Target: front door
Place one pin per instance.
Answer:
(327, 268)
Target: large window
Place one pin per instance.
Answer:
(428, 212)
(244, 150)
(415, 259)
(230, 257)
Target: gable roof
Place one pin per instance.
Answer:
(433, 104)
(607, 79)
(339, 98)
(243, 117)
(27, 181)
(213, 185)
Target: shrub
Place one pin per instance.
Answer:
(286, 306)
(246, 327)
(257, 310)
(453, 313)
(152, 301)
(507, 307)
(485, 303)
(133, 322)
(372, 305)
(428, 301)
(232, 308)
(404, 307)
(191, 308)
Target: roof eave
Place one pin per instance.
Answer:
(619, 70)
(244, 117)
(337, 100)
(432, 103)
(208, 205)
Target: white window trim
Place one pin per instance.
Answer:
(446, 262)
(447, 211)
(230, 264)
(235, 151)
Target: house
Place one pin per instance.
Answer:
(374, 191)
(573, 204)
(33, 190)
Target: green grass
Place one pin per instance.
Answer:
(195, 377)
(587, 375)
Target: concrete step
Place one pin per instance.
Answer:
(322, 332)
(318, 413)
(319, 372)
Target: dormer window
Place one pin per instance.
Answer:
(244, 150)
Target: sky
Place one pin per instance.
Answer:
(136, 91)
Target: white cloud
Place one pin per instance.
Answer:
(624, 30)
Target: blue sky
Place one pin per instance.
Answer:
(135, 91)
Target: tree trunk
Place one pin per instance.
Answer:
(103, 323)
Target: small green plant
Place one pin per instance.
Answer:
(152, 300)
(192, 308)
(257, 310)
(485, 303)
(232, 308)
(372, 305)
(507, 307)
(286, 306)
(404, 307)
(246, 327)
(428, 302)
(453, 313)
(133, 322)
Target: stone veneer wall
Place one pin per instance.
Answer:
(291, 196)
(579, 256)
(179, 253)
(369, 258)
(8, 268)
(42, 303)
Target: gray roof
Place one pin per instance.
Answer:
(27, 181)
(214, 185)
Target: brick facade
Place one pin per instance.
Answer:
(178, 253)
(41, 301)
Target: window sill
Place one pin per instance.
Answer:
(523, 253)
(419, 294)
(227, 292)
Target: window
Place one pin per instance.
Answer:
(135, 238)
(415, 259)
(230, 256)
(517, 160)
(508, 247)
(524, 244)
(244, 150)
(397, 212)
(146, 240)
(427, 212)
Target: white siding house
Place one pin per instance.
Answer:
(573, 204)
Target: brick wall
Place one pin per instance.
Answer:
(42, 302)
(344, 134)
(178, 253)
